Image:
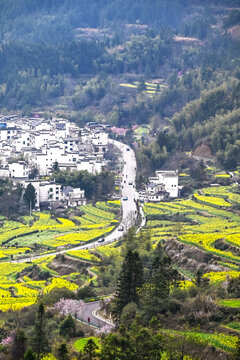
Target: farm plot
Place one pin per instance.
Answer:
(17, 292)
(48, 233)
(219, 340)
(212, 200)
(200, 224)
(78, 237)
(84, 255)
(108, 250)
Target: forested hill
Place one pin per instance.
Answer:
(55, 20)
(158, 62)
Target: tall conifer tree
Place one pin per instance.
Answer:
(39, 340)
(129, 281)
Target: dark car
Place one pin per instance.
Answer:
(101, 240)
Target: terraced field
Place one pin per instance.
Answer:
(44, 234)
(209, 221)
(151, 88)
(203, 225)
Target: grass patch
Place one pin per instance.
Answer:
(80, 343)
(232, 303)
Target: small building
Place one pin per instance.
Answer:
(7, 133)
(73, 197)
(169, 179)
(19, 170)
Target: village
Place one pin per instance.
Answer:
(32, 148)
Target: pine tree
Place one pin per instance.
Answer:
(68, 327)
(129, 281)
(30, 196)
(39, 340)
(62, 352)
(155, 293)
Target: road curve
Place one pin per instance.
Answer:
(128, 206)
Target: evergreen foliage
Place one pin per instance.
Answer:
(129, 282)
(30, 196)
(68, 327)
(40, 342)
(154, 295)
(29, 355)
(62, 352)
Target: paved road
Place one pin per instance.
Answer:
(129, 208)
(87, 313)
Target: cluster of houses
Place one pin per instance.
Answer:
(36, 146)
(31, 148)
(161, 187)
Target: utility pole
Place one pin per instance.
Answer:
(30, 211)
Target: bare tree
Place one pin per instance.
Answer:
(129, 220)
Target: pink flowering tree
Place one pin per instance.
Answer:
(70, 307)
(8, 340)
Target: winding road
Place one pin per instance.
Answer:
(128, 204)
(90, 313)
(129, 214)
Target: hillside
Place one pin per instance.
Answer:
(120, 278)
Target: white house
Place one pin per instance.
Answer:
(20, 169)
(92, 166)
(169, 179)
(46, 191)
(155, 192)
(43, 138)
(23, 140)
(7, 133)
(74, 197)
(71, 144)
(100, 141)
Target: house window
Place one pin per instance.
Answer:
(51, 189)
(50, 196)
(57, 197)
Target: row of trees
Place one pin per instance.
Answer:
(96, 187)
